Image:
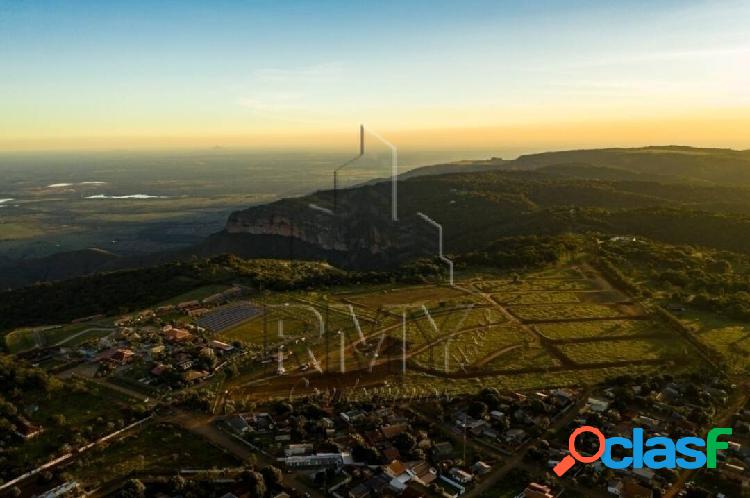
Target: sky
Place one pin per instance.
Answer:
(483, 74)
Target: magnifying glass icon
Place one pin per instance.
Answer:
(570, 460)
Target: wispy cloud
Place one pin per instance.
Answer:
(315, 73)
(273, 101)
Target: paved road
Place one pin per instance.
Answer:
(516, 460)
(205, 426)
(723, 418)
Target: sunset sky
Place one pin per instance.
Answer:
(430, 74)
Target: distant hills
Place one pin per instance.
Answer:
(673, 194)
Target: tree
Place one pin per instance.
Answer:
(273, 476)
(133, 489)
(477, 409)
(255, 482)
(405, 443)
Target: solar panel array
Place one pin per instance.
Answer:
(228, 316)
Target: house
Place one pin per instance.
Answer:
(645, 474)
(514, 436)
(634, 490)
(391, 431)
(422, 473)
(615, 487)
(497, 415)
(177, 335)
(123, 356)
(359, 491)
(399, 474)
(443, 450)
(395, 468)
(377, 484)
(597, 405)
(194, 375)
(461, 475)
(159, 369)
(391, 453)
(319, 460)
(535, 490)
(185, 364)
(480, 468)
(187, 304)
(221, 346)
(157, 349)
(298, 449)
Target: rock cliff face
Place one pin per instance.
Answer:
(359, 234)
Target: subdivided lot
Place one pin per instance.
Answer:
(600, 328)
(429, 295)
(536, 297)
(626, 350)
(537, 284)
(729, 338)
(471, 348)
(154, 449)
(553, 312)
(424, 384)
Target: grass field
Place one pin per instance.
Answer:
(428, 295)
(470, 347)
(156, 448)
(626, 350)
(728, 337)
(562, 311)
(95, 412)
(70, 335)
(536, 297)
(196, 294)
(538, 284)
(605, 328)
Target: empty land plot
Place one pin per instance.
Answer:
(729, 338)
(428, 295)
(469, 348)
(553, 312)
(538, 284)
(625, 350)
(596, 329)
(522, 358)
(536, 297)
(427, 384)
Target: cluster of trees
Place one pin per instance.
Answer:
(529, 251)
(263, 483)
(703, 279)
(16, 379)
(124, 291)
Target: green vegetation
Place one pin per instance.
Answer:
(565, 311)
(124, 291)
(158, 448)
(71, 335)
(596, 329)
(630, 349)
(69, 414)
